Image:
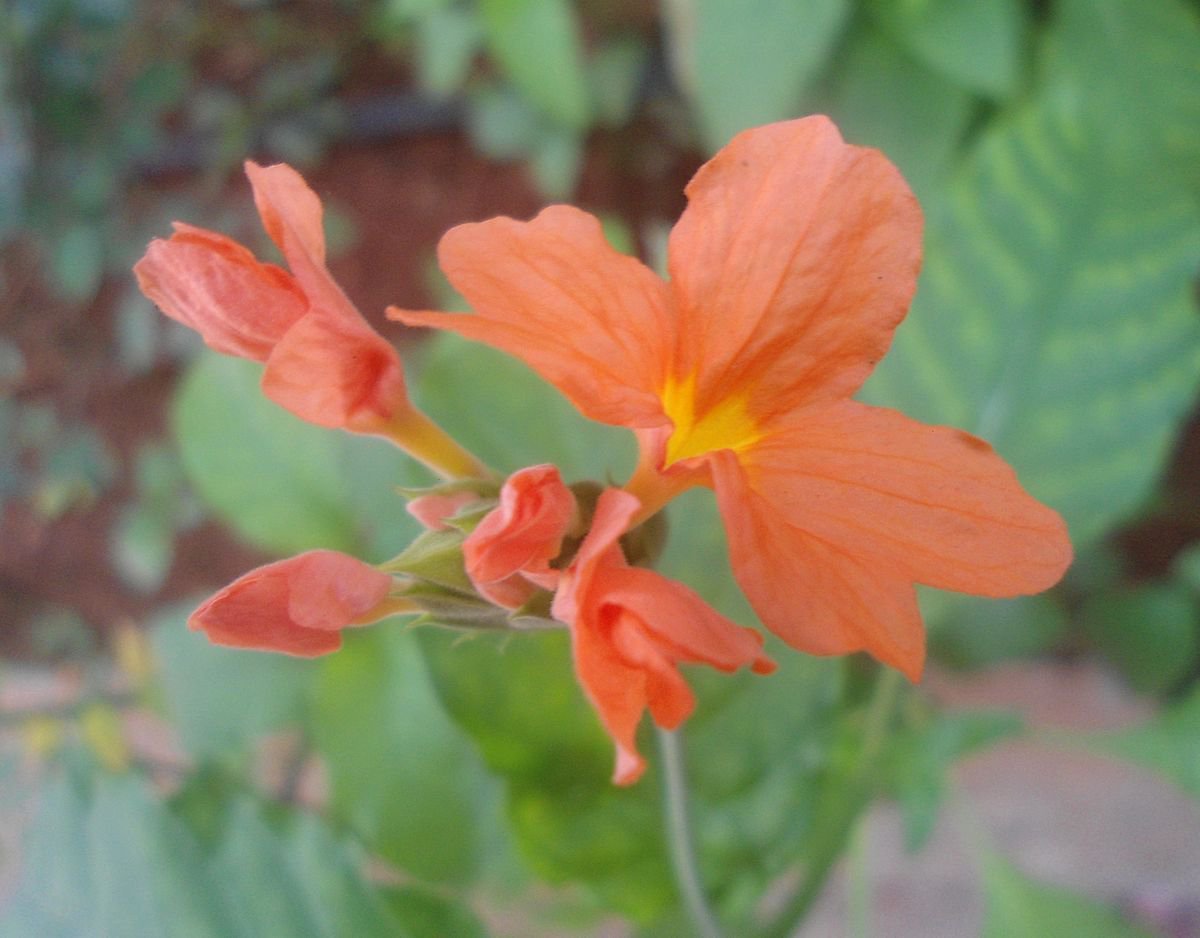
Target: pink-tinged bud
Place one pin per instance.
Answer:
(298, 606)
(508, 554)
(432, 510)
(632, 627)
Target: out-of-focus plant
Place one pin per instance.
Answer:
(1054, 147)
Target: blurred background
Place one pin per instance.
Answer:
(1043, 780)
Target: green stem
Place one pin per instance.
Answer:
(679, 835)
(834, 827)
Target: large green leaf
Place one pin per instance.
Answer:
(284, 485)
(1018, 907)
(1056, 316)
(402, 775)
(106, 857)
(537, 44)
(748, 63)
(980, 45)
(221, 699)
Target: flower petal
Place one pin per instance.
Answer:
(794, 261)
(336, 372)
(830, 519)
(554, 293)
(297, 605)
(212, 284)
(525, 532)
(291, 213)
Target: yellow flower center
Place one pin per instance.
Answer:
(726, 425)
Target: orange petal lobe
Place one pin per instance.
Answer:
(292, 215)
(212, 284)
(831, 521)
(632, 628)
(336, 372)
(554, 293)
(794, 261)
(297, 606)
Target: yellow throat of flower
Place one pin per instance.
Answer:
(728, 424)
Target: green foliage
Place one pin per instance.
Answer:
(509, 417)
(744, 64)
(1165, 744)
(284, 485)
(969, 633)
(978, 45)
(923, 754)
(537, 45)
(401, 775)
(107, 857)
(222, 699)
(1018, 907)
(1151, 633)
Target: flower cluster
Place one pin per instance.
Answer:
(796, 258)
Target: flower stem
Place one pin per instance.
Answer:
(679, 835)
(835, 826)
(428, 443)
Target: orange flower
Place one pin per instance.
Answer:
(324, 363)
(795, 260)
(508, 554)
(298, 606)
(631, 628)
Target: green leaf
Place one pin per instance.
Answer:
(967, 632)
(284, 485)
(537, 45)
(979, 45)
(516, 696)
(222, 699)
(748, 63)
(501, 124)
(882, 97)
(509, 417)
(1165, 744)
(923, 755)
(1055, 316)
(1135, 64)
(615, 77)
(555, 163)
(402, 775)
(1019, 907)
(1151, 633)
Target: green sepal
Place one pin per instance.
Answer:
(454, 609)
(436, 557)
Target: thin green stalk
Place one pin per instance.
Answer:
(679, 835)
(835, 826)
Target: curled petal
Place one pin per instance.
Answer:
(631, 629)
(521, 536)
(212, 284)
(554, 293)
(796, 258)
(433, 510)
(297, 605)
